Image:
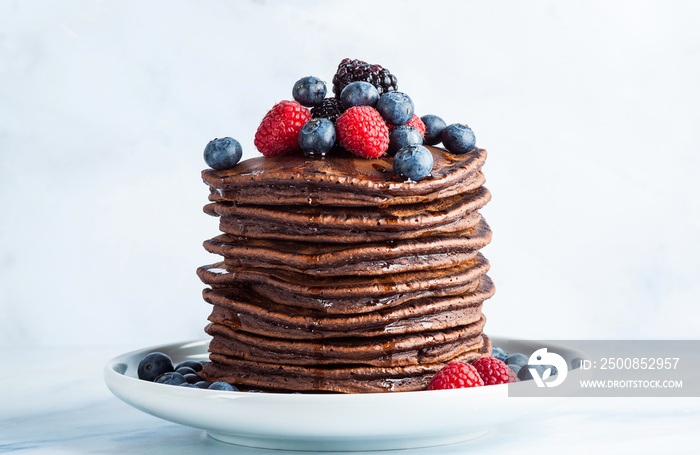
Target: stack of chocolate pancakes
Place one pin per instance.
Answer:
(339, 277)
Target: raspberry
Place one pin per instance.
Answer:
(493, 371)
(415, 122)
(362, 131)
(456, 375)
(279, 130)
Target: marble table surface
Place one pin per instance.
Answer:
(54, 401)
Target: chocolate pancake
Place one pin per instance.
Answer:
(251, 313)
(377, 258)
(339, 276)
(343, 180)
(348, 294)
(351, 224)
(387, 351)
(345, 379)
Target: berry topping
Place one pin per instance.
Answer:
(330, 108)
(396, 108)
(418, 124)
(458, 138)
(362, 131)
(402, 136)
(317, 137)
(524, 374)
(415, 122)
(493, 371)
(359, 93)
(433, 128)
(220, 385)
(544, 371)
(171, 378)
(455, 375)
(154, 365)
(223, 153)
(499, 353)
(185, 370)
(195, 365)
(202, 384)
(357, 70)
(278, 132)
(413, 162)
(517, 359)
(192, 378)
(309, 91)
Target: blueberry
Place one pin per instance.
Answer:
(171, 378)
(186, 384)
(515, 368)
(433, 128)
(359, 93)
(517, 359)
(256, 391)
(317, 137)
(414, 162)
(402, 136)
(185, 370)
(525, 375)
(223, 153)
(220, 385)
(192, 378)
(153, 365)
(309, 91)
(458, 138)
(499, 353)
(195, 365)
(395, 107)
(202, 384)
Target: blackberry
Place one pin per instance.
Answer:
(357, 70)
(330, 108)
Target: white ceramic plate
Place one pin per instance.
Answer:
(322, 422)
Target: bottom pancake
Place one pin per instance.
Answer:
(345, 379)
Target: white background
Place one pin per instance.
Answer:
(589, 111)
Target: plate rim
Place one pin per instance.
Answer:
(160, 400)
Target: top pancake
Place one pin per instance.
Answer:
(344, 180)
